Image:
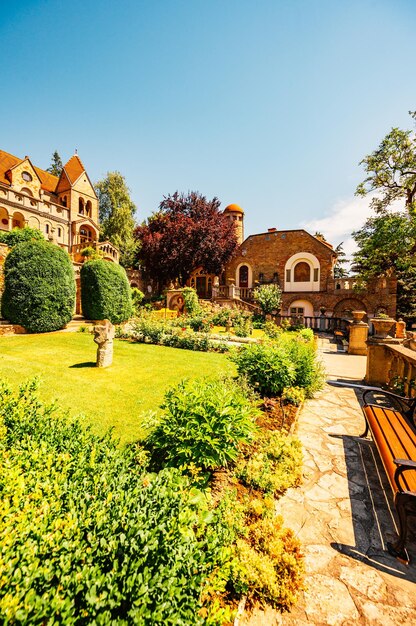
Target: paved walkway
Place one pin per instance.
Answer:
(343, 514)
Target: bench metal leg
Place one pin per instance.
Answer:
(398, 549)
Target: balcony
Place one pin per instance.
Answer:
(105, 248)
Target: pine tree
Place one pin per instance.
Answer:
(56, 165)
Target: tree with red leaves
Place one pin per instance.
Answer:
(187, 232)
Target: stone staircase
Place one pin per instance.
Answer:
(7, 329)
(76, 323)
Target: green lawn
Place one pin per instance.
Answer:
(117, 396)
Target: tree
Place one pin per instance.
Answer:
(187, 232)
(269, 298)
(387, 244)
(56, 165)
(339, 270)
(116, 211)
(391, 171)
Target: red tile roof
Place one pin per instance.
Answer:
(8, 161)
(74, 168)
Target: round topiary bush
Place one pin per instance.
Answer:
(39, 287)
(105, 292)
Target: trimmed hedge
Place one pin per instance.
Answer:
(39, 287)
(105, 292)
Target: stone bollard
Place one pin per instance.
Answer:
(357, 343)
(103, 337)
(400, 329)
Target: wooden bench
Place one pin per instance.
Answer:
(394, 434)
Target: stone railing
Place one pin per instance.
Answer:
(109, 251)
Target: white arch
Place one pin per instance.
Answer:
(310, 285)
(301, 304)
(250, 274)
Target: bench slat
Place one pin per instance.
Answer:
(394, 439)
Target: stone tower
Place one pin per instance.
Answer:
(236, 215)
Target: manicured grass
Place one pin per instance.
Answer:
(117, 396)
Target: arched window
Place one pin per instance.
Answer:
(64, 201)
(243, 276)
(88, 208)
(81, 206)
(302, 273)
(85, 234)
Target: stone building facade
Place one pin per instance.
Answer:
(64, 209)
(303, 267)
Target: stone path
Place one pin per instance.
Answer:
(343, 514)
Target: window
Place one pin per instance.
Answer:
(27, 177)
(243, 276)
(297, 310)
(88, 208)
(288, 276)
(47, 229)
(275, 277)
(261, 277)
(64, 201)
(302, 273)
(81, 206)
(59, 232)
(316, 274)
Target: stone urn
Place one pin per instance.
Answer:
(358, 317)
(382, 326)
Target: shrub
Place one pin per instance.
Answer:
(87, 536)
(269, 563)
(271, 329)
(293, 395)
(105, 292)
(268, 297)
(91, 253)
(309, 372)
(268, 368)
(204, 423)
(242, 324)
(12, 237)
(191, 301)
(137, 298)
(39, 289)
(222, 317)
(273, 465)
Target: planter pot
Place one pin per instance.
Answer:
(358, 316)
(382, 327)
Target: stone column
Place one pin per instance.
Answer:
(103, 337)
(379, 360)
(358, 335)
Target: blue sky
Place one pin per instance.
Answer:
(269, 103)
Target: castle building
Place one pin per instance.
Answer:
(302, 265)
(64, 208)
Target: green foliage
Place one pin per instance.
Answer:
(387, 243)
(300, 348)
(268, 368)
(12, 237)
(269, 563)
(168, 334)
(39, 288)
(391, 171)
(116, 211)
(56, 165)
(105, 292)
(268, 297)
(339, 269)
(137, 298)
(191, 301)
(204, 424)
(91, 253)
(242, 324)
(87, 536)
(271, 329)
(293, 395)
(273, 464)
(223, 316)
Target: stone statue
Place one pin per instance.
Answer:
(103, 337)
